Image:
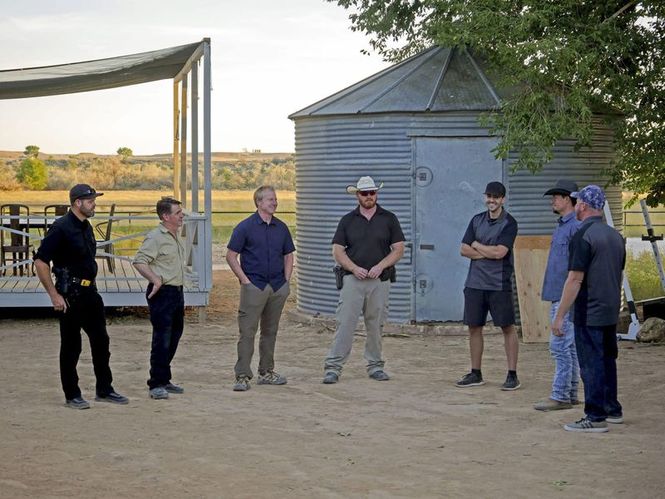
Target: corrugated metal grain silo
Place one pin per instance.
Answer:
(414, 126)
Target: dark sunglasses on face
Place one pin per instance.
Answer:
(367, 193)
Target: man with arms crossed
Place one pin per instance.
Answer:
(562, 347)
(265, 247)
(367, 244)
(488, 243)
(595, 269)
(161, 260)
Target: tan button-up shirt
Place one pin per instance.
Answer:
(165, 254)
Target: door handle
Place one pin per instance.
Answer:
(426, 246)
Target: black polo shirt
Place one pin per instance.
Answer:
(70, 243)
(599, 251)
(367, 242)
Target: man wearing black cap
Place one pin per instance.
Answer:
(70, 245)
(562, 346)
(488, 243)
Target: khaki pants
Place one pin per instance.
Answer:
(264, 306)
(366, 296)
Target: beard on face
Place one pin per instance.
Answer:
(88, 212)
(368, 202)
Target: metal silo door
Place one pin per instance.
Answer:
(450, 179)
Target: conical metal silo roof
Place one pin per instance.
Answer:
(437, 80)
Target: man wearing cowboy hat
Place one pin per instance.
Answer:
(367, 244)
(562, 346)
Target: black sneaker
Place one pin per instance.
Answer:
(77, 403)
(380, 376)
(172, 388)
(113, 398)
(470, 379)
(330, 378)
(587, 426)
(511, 383)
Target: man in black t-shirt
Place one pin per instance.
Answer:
(488, 243)
(595, 266)
(367, 244)
(70, 245)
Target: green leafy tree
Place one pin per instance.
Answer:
(32, 174)
(31, 151)
(565, 60)
(125, 153)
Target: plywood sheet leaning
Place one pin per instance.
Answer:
(530, 262)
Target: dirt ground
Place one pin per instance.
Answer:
(414, 436)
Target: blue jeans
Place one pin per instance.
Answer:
(167, 310)
(597, 351)
(567, 370)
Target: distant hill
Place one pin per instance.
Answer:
(230, 170)
(216, 156)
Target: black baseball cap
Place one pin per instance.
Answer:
(83, 191)
(496, 189)
(563, 187)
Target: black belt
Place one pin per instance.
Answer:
(179, 288)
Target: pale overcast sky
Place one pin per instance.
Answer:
(269, 59)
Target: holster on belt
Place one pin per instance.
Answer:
(339, 276)
(62, 280)
(68, 285)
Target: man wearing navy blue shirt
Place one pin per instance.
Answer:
(595, 272)
(265, 247)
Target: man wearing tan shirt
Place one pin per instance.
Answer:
(161, 260)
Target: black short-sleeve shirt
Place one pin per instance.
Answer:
(599, 251)
(70, 243)
(485, 273)
(367, 242)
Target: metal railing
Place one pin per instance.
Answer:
(633, 219)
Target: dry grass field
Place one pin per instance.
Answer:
(221, 200)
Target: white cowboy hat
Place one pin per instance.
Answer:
(364, 184)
